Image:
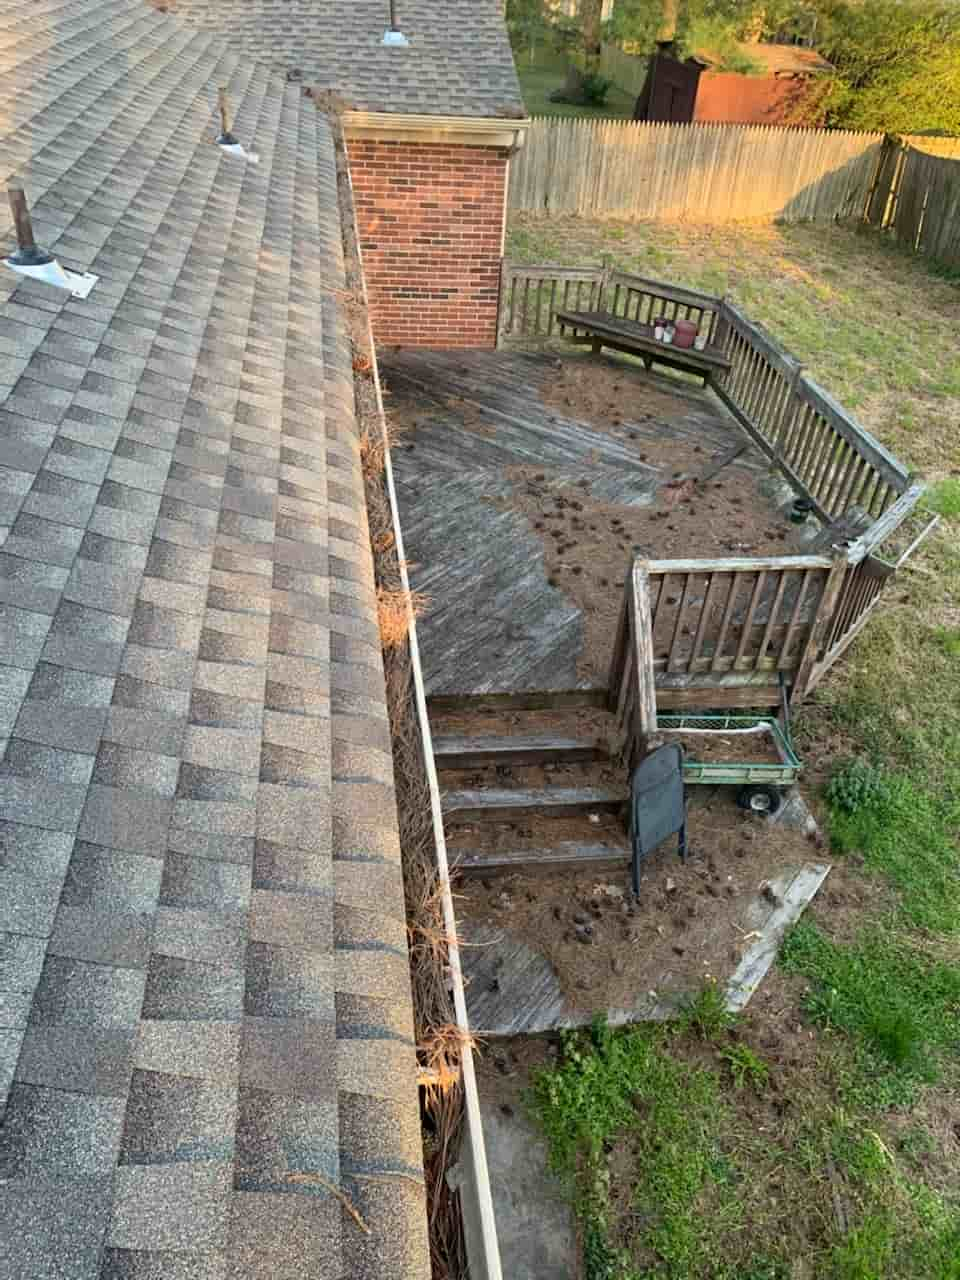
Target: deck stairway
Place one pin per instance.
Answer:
(520, 794)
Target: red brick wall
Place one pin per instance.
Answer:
(431, 224)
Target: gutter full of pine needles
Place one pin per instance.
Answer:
(441, 1042)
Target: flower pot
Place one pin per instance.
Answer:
(685, 332)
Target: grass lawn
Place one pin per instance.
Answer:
(828, 1148)
(546, 74)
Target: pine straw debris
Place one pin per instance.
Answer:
(440, 1043)
(393, 613)
(374, 445)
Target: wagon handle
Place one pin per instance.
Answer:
(785, 711)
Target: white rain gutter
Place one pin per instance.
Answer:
(476, 1202)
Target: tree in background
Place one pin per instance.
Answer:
(529, 27)
(697, 26)
(898, 65)
(897, 61)
(585, 84)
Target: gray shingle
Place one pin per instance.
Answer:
(183, 1207)
(54, 1230)
(284, 1237)
(79, 1059)
(199, 835)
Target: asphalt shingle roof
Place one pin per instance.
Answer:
(205, 1022)
(458, 63)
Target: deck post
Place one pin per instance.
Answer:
(502, 300)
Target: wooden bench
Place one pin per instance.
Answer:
(604, 329)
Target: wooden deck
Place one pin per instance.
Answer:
(494, 624)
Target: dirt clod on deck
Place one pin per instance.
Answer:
(589, 543)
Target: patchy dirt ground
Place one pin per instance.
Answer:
(590, 543)
(694, 919)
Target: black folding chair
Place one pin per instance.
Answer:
(657, 804)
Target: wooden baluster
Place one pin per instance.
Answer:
(747, 627)
(713, 581)
(725, 621)
(847, 498)
(678, 626)
(843, 464)
(659, 602)
(795, 616)
(772, 619)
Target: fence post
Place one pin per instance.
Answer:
(886, 152)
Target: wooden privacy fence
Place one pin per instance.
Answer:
(733, 626)
(917, 197)
(701, 172)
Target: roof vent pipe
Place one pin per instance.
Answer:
(225, 140)
(36, 263)
(393, 37)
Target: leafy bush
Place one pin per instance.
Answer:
(855, 784)
(594, 88)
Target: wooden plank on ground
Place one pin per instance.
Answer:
(795, 891)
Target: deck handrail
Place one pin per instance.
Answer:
(845, 473)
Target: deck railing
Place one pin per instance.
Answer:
(724, 623)
(826, 455)
(731, 626)
(632, 688)
(531, 296)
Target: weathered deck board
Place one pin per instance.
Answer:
(565, 856)
(495, 805)
(513, 749)
(494, 624)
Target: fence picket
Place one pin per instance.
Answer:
(707, 172)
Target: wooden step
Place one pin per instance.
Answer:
(495, 805)
(562, 857)
(534, 700)
(468, 753)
